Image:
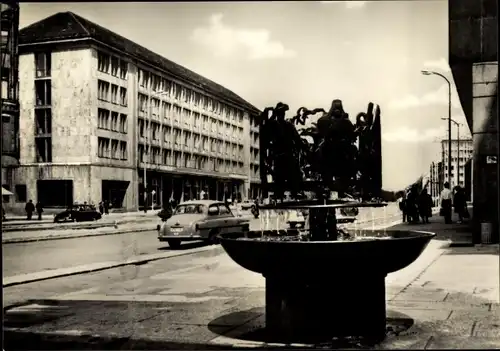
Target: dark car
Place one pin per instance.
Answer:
(78, 213)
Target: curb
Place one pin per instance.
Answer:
(64, 272)
(68, 226)
(72, 236)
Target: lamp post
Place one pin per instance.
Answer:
(429, 73)
(147, 148)
(458, 146)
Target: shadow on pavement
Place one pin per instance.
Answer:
(255, 330)
(184, 246)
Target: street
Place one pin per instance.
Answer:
(55, 254)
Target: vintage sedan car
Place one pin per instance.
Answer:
(78, 213)
(200, 220)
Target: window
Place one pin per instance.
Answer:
(123, 70)
(187, 96)
(123, 123)
(140, 151)
(115, 65)
(114, 94)
(186, 116)
(155, 83)
(43, 148)
(43, 64)
(166, 109)
(142, 128)
(155, 104)
(186, 138)
(43, 120)
(167, 86)
(21, 193)
(123, 150)
(166, 135)
(114, 149)
(102, 90)
(102, 118)
(103, 147)
(123, 96)
(143, 103)
(114, 122)
(143, 78)
(177, 92)
(103, 62)
(43, 93)
(156, 131)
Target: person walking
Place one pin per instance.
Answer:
(29, 208)
(446, 203)
(106, 207)
(101, 208)
(459, 203)
(39, 210)
(411, 205)
(402, 207)
(425, 206)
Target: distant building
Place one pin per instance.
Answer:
(98, 109)
(9, 59)
(458, 161)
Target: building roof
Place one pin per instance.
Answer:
(68, 25)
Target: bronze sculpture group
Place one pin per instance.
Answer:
(323, 156)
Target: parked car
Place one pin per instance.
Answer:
(200, 220)
(246, 205)
(78, 213)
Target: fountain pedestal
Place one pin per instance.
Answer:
(320, 309)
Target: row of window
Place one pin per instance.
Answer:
(112, 149)
(111, 120)
(112, 65)
(111, 93)
(152, 129)
(162, 109)
(172, 158)
(118, 67)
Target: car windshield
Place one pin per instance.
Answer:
(191, 209)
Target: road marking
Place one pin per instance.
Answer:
(94, 267)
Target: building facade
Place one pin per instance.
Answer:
(9, 73)
(435, 180)
(105, 119)
(473, 58)
(461, 153)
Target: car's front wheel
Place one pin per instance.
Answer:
(174, 243)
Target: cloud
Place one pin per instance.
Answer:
(226, 41)
(408, 135)
(440, 65)
(348, 4)
(437, 97)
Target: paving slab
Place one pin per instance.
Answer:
(462, 342)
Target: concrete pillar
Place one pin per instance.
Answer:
(485, 140)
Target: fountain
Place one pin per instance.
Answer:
(323, 281)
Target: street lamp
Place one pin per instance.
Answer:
(458, 146)
(147, 149)
(429, 73)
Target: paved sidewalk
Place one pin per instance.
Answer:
(448, 298)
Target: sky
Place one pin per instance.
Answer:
(308, 54)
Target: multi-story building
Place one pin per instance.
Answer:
(435, 180)
(9, 23)
(461, 153)
(99, 112)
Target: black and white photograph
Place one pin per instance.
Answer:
(182, 175)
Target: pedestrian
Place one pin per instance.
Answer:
(101, 208)
(446, 203)
(425, 206)
(29, 208)
(39, 210)
(459, 203)
(402, 206)
(106, 207)
(411, 205)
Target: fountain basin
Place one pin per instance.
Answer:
(388, 252)
(317, 290)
